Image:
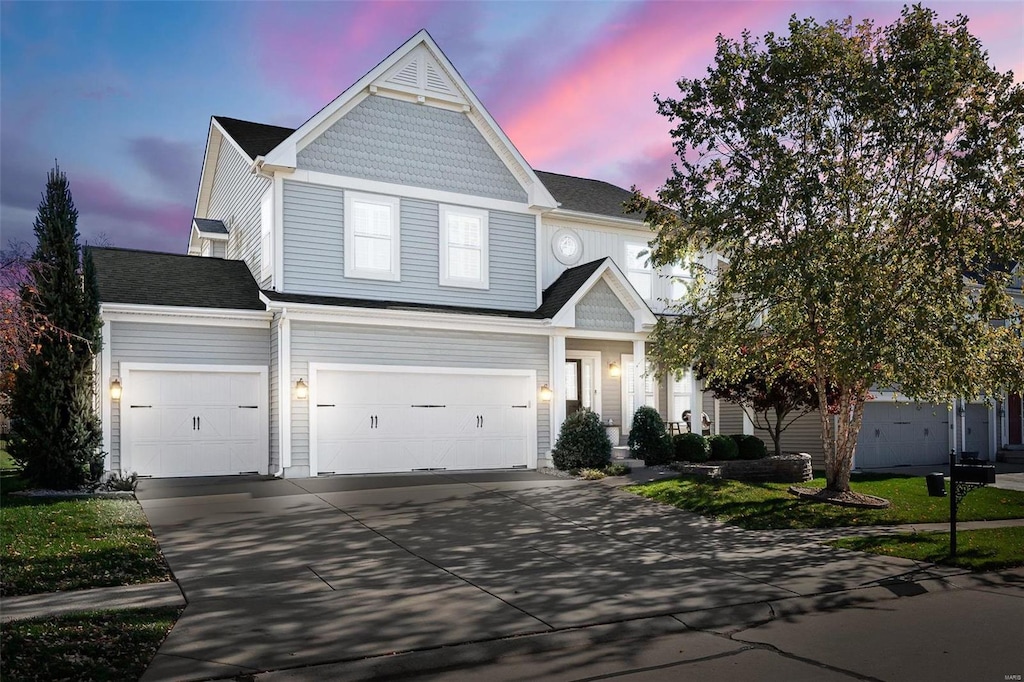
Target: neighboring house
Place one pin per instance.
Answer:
(388, 287)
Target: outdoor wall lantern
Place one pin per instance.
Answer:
(301, 390)
(614, 369)
(545, 393)
(115, 389)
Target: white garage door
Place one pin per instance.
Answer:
(386, 421)
(193, 423)
(976, 429)
(895, 434)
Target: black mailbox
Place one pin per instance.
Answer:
(974, 473)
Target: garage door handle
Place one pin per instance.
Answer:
(520, 407)
(325, 405)
(427, 406)
(135, 406)
(248, 407)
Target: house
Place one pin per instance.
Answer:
(388, 287)
(392, 287)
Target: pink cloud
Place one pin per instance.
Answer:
(106, 209)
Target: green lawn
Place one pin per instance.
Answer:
(108, 645)
(988, 549)
(761, 506)
(68, 544)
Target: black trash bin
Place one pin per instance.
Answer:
(936, 485)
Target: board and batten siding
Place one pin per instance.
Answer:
(235, 200)
(314, 254)
(179, 344)
(403, 143)
(347, 344)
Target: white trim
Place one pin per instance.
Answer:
(631, 265)
(538, 259)
(284, 393)
(277, 236)
(444, 278)
(407, 191)
(627, 295)
(208, 317)
(126, 368)
(556, 375)
(393, 204)
(106, 402)
(316, 367)
(596, 218)
(267, 235)
(327, 122)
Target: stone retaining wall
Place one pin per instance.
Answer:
(788, 468)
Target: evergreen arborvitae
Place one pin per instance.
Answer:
(55, 431)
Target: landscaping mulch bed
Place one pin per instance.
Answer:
(848, 498)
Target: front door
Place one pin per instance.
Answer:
(1015, 419)
(573, 386)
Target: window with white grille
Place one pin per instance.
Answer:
(463, 244)
(371, 236)
(639, 271)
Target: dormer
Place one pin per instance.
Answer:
(209, 238)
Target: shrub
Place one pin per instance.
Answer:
(592, 474)
(617, 469)
(691, 447)
(750, 447)
(582, 443)
(648, 439)
(723, 447)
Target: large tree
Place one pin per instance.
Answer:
(864, 185)
(55, 432)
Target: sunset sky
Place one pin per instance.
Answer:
(121, 93)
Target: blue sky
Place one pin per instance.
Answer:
(120, 93)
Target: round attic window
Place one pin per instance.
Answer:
(567, 247)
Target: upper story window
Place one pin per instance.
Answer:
(372, 236)
(681, 277)
(639, 271)
(266, 229)
(463, 243)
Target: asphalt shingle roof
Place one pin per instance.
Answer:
(256, 139)
(588, 196)
(213, 226)
(565, 287)
(153, 278)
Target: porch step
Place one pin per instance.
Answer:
(1010, 456)
(631, 463)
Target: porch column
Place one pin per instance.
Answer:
(557, 385)
(993, 443)
(696, 403)
(639, 378)
(106, 407)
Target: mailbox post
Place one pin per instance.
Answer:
(963, 478)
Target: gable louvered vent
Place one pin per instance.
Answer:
(436, 82)
(408, 76)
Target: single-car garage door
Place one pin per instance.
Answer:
(193, 422)
(895, 434)
(388, 420)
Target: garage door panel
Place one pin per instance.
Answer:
(424, 420)
(896, 434)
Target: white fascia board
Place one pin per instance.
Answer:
(213, 140)
(193, 236)
(413, 319)
(603, 335)
(406, 191)
(286, 152)
(158, 314)
(213, 236)
(595, 218)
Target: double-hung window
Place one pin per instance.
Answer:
(639, 271)
(372, 236)
(463, 243)
(681, 275)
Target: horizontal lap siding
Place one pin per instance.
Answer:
(179, 344)
(314, 254)
(326, 343)
(803, 435)
(730, 418)
(235, 200)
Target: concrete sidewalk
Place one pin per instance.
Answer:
(147, 595)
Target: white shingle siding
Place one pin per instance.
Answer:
(179, 344)
(601, 309)
(235, 200)
(410, 144)
(314, 254)
(410, 347)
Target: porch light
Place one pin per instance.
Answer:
(301, 390)
(545, 393)
(614, 370)
(115, 389)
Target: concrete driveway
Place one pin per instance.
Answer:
(288, 573)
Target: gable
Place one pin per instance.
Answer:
(601, 309)
(395, 141)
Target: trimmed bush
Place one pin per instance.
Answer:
(750, 447)
(648, 439)
(582, 443)
(723, 447)
(691, 447)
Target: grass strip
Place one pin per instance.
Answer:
(104, 645)
(765, 506)
(986, 549)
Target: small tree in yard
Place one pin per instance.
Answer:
(582, 443)
(55, 432)
(648, 439)
(860, 182)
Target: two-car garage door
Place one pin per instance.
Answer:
(193, 421)
(397, 419)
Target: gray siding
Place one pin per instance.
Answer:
(235, 199)
(730, 418)
(411, 347)
(601, 309)
(184, 344)
(611, 387)
(410, 144)
(314, 253)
